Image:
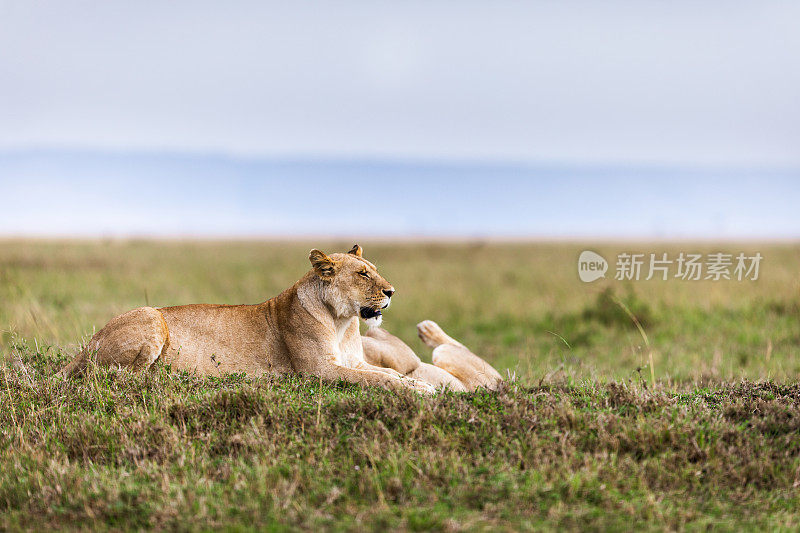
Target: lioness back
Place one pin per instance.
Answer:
(218, 339)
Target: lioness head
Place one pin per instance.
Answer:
(352, 285)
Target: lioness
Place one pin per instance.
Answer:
(311, 327)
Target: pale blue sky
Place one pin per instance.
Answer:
(678, 118)
(190, 195)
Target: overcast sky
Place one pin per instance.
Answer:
(694, 82)
(552, 118)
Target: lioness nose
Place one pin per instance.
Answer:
(388, 292)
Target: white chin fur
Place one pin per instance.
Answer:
(374, 322)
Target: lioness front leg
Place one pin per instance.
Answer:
(324, 358)
(362, 365)
(372, 377)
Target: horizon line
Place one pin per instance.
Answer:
(409, 160)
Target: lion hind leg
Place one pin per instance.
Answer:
(433, 335)
(452, 356)
(437, 377)
(381, 348)
(133, 340)
(470, 369)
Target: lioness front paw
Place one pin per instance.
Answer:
(420, 386)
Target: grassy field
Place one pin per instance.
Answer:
(692, 421)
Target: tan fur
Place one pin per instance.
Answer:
(452, 356)
(438, 377)
(381, 348)
(311, 327)
(454, 366)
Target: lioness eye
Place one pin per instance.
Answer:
(364, 273)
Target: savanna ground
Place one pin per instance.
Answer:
(697, 426)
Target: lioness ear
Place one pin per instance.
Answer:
(356, 250)
(323, 265)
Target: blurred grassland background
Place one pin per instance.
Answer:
(518, 304)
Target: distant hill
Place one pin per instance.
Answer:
(62, 192)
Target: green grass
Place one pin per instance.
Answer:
(582, 439)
